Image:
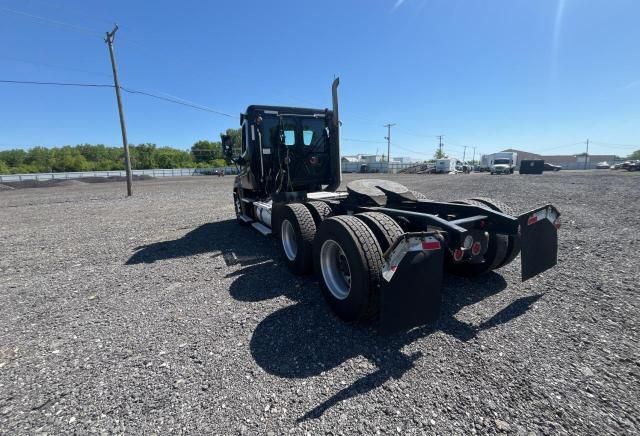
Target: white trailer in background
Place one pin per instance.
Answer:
(446, 165)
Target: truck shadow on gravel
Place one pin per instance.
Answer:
(305, 339)
(221, 238)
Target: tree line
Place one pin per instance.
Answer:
(99, 157)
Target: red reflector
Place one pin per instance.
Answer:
(532, 219)
(431, 245)
(475, 248)
(457, 255)
(394, 267)
(557, 224)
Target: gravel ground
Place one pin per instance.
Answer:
(160, 314)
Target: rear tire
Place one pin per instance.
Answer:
(319, 210)
(384, 228)
(496, 251)
(513, 248)
(348, 262)
(297, 230)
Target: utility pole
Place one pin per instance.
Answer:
(440, 146)
(388, 138)
(474, 156)
(123, 127)
(464, 153)
(586, 156)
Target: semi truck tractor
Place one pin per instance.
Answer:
(378, 248)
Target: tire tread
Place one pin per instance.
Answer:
(384, 228)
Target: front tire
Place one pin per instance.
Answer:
(348, 262)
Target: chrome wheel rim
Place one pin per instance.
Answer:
(289, 244)
(335, 269)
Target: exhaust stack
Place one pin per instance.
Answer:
(336, 167)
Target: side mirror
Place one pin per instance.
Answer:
(227, 151)
(227, 147)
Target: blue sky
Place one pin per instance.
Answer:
(539, 75)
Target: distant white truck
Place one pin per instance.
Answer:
(500, 163)
(446, 166)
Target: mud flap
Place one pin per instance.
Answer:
(410, 295)
(539, 240)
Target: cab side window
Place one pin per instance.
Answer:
(289, 137)
(289, 127)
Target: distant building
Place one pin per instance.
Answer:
(568, 162)
(363, 158)
(404, 159)
(350, 159)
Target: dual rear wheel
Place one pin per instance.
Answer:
(501, 249)
(345, 251)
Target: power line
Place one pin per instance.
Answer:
(364, 140)
(128, 90)
(55, 22)
(29, 82)
(183, 103)
(561, 146)
(88, 30)
(411, 151)
(55, 67)
(608, 144)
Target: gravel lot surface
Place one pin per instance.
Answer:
(159, 314)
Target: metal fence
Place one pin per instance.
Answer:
(171, 172)
(347, 167)
(375, 167)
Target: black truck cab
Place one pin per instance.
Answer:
(286, 149)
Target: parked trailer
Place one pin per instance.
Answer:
(445, 166)
(379, 249)
(531, 166)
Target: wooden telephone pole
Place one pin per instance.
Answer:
(388, 138)
(123, 127)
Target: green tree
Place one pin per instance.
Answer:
(635, 155)
(13, 158)
(4, 168)
(167, 157)
(205, 151)
(439, 154)
(64, 159)
(40, 158)
(143, 156)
